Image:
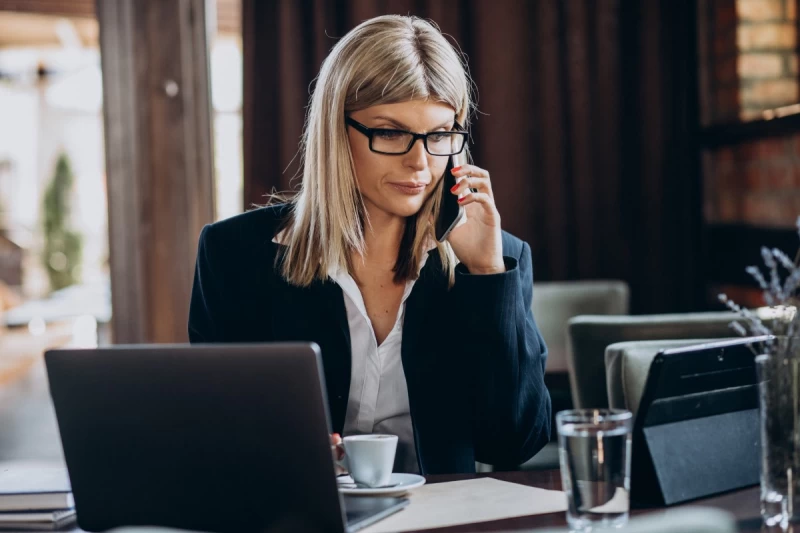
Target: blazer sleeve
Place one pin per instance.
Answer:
(207, 309)
(511, 403)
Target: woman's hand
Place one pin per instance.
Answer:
(338, 453)
(478, 243)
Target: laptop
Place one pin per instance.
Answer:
(202, 437)
(696, 431)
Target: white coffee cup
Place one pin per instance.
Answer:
(370, 458)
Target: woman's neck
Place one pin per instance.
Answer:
(382, 236)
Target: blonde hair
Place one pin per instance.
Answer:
(384, 60)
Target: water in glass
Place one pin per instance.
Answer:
(595, 469)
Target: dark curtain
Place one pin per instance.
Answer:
(588, 124)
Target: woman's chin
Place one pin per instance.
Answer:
(408, 207)
(400, 206)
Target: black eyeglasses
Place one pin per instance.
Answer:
(399, 142)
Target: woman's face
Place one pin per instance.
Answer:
(399, 184)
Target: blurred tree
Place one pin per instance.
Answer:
(63, 247)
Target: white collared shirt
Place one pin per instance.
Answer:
(378, 399)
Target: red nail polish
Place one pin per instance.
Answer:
(456, 169)
(460, 200)
(453, 189)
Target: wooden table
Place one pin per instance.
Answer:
(743, 504)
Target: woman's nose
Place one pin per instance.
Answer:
(417, 157)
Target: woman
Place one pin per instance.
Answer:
(433, 342)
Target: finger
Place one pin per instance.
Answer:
(472, 184)
(338, 452)
(470, 170)
(477, 197)
(336, 447)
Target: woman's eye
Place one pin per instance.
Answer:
(388, 135)
(438, 137)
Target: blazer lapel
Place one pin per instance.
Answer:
(317, 313)
(417, 316)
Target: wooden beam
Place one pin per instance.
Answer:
(63, 8)
(228, 11)
(32, 30)
(741, 132)
(158, 160)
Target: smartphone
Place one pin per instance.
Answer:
(450, 212)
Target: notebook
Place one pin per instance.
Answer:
(34, 488)
(45, 520)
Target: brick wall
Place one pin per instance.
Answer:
(766, 38)
(748, 59)
(749, 71)
(720, 80)
(755, 183)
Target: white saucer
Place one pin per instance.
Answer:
(401, 483)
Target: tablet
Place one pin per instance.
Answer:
(696, 432)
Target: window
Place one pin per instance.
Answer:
(226, 98)
(749, 58)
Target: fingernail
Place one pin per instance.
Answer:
(336, 435)
(460, 200)
(453, 189)
(456, 169)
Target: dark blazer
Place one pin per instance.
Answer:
(472, 355)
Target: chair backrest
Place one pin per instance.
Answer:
(679, 520)
(554, 303)
(627, 366)
(590, 335)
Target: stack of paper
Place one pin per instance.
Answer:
(470, 501)
(34, 498)
(45, 520)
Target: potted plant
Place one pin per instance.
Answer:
(778, 368)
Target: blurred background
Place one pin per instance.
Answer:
(653, 143)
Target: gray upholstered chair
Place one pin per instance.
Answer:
(554, 303)
(627, 365)
(679, 520)
(590, 335)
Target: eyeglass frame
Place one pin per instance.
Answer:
(370, 132)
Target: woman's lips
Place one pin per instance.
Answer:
(410, 189)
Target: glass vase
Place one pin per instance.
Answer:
(779, 409)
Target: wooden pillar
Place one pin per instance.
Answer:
(158, 158)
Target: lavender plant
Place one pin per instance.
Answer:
(778, 368)
(780, 294)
